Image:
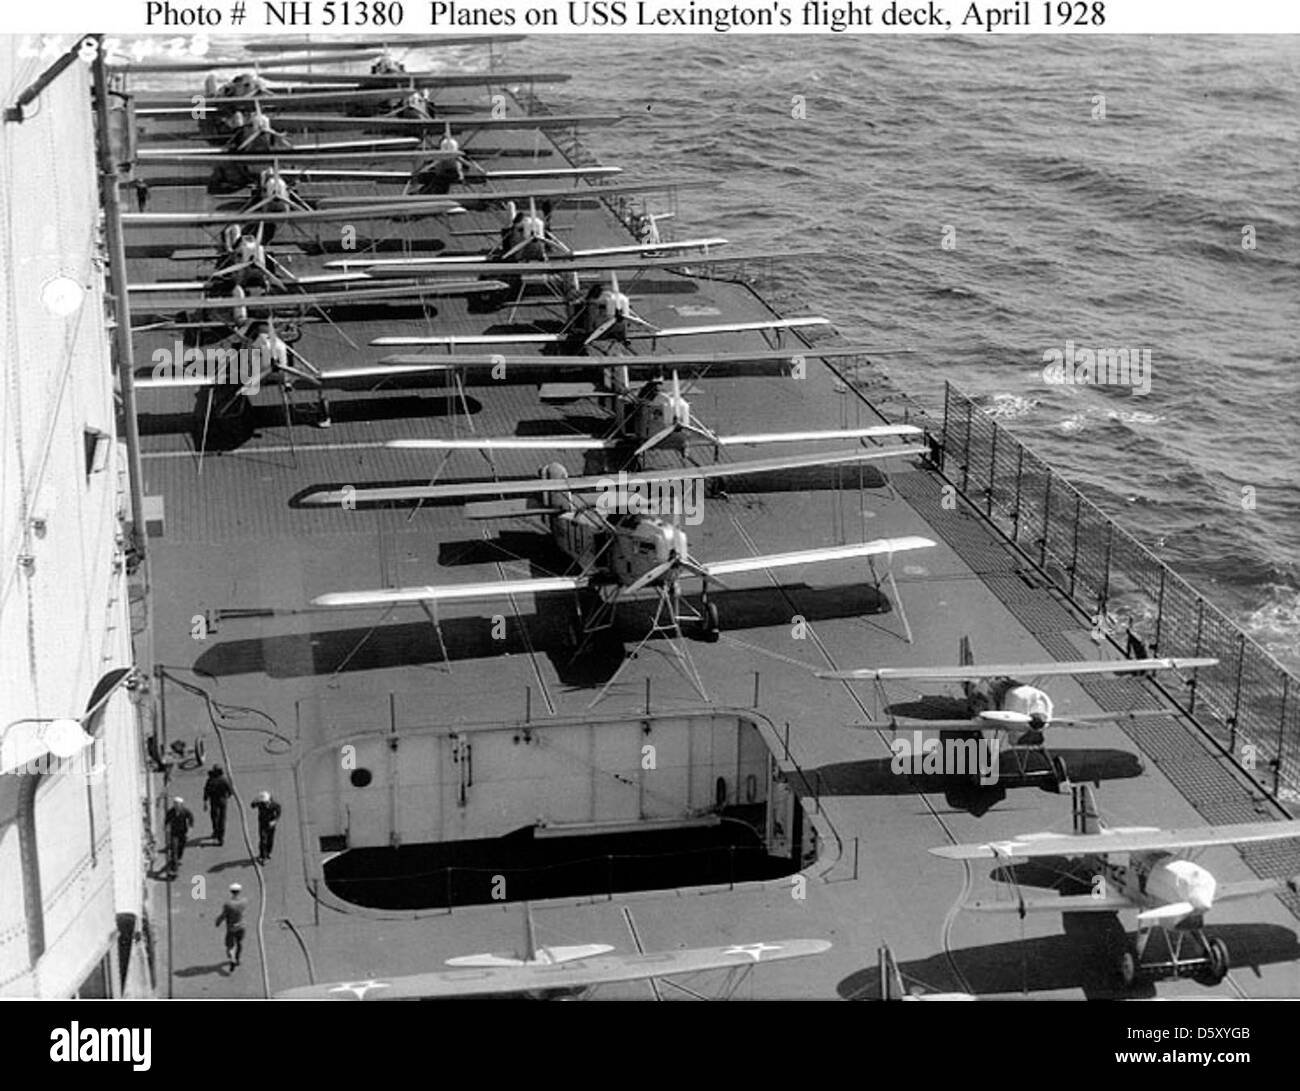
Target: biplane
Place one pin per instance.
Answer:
(653, 417)
(564, 972)
(605, 313)
(997, 701)
(618, 543)
(1142, 868)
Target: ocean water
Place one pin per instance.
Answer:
(1115, 231)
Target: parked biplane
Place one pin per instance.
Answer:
(564, 972)
(1153, 874)
(998, 702)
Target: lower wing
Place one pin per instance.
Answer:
(455, 592)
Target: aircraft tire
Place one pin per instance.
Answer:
(1216, 968)
(711, 625)
(1127, 967)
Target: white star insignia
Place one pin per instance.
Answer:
(359, 988)
(754, 950)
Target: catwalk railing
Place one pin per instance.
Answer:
(1249, 704)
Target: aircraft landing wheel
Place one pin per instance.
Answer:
(711, 626)
(1216, 968)
(1059, 769)
(1127, 967)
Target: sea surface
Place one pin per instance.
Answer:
(1092, 190)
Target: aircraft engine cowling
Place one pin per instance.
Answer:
(1029, 701)
(1173, 881)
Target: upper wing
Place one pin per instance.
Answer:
(319, 122)
(283, 300)
(589, 443)
(604, 482)
(817, 556)
(555, 338)
(559, 264)
(1136, 840)
(1019, 670)
(601, 263)
(878, 431)
(759, 362)
(497, 980)
(436, 206)
(508, 443)
(454, 592)
(384, 147)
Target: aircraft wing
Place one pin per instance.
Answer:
(558, 264)
(606, 970)
(488, 198)
(198, 285)
(696, 365)
(298, 300)
(556, 338)
(380, 147)
(980, 671)
(605, 482)
(508, 443)
(321, 122)
(1145, 840)
(453, 592)
(1112, 902)
(817, 556)
(878, 431)
(571, 442)
(436, 206)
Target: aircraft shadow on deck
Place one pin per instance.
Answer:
(397, 644)
(1082, 958)
(269, 416)
(1027, 767)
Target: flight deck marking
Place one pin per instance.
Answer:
(359, 988)
(754, 950)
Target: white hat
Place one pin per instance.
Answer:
(263, 797)
(235, 888)
(177, 799)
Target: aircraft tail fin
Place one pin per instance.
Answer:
(1087, 818)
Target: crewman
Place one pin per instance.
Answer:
(232, 915)
(177, 823)
(216, 794)
(268, 814)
